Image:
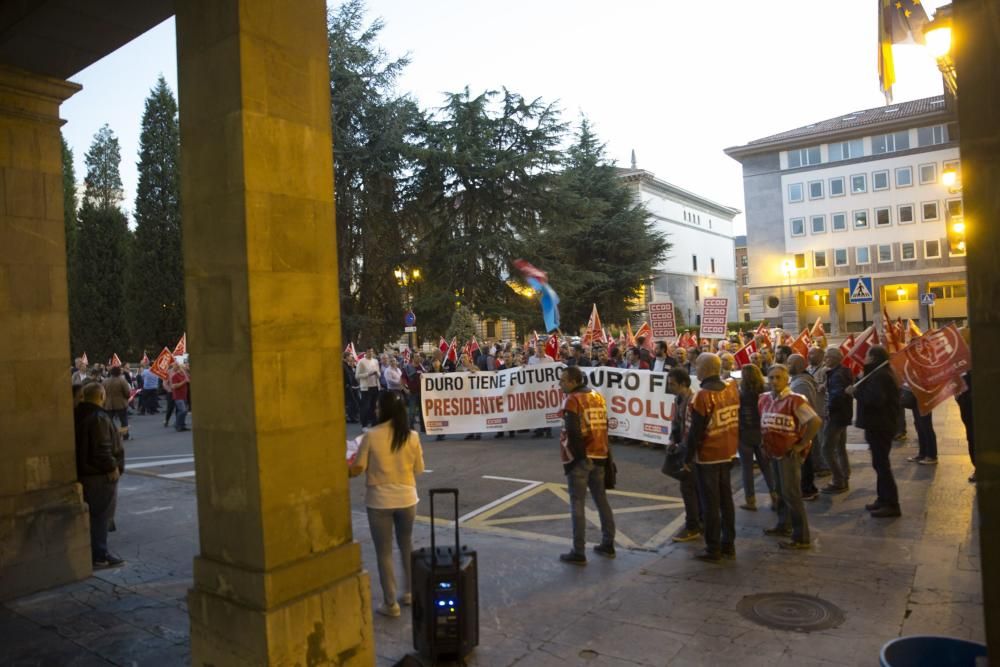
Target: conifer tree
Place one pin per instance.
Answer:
(69, 195)
(98, 266)
(156, 268)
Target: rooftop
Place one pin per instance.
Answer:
(930, 109)
(634, 175)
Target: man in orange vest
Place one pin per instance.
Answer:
(710, 445)
(583, 448)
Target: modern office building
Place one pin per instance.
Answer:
(859, 194)
(700, 262)
(742, 278)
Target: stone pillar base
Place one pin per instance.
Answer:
(322, 627)
(44, 540)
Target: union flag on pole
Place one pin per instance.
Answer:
(817, 330)
(801, 344)
(646, 334)
(764, 333)
(552, 347)
(912, 331)
(534, 339)
(862, 343)
(350, 350)
(161, 365)
(742, 355)
(452, 354)
(182, 345)
(115, 361)
(848, 362)
(892, 343)
(83, 358)
(595, 331)
(443, 345)
(629, 336)
(933, 365)
(145, 359)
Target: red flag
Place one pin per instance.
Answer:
(534, 339)
(622, 341)
(161, 365)
(892, 344)
(646, 334)
(817, 330)
(742, 355)
(761, 329)
(552, 346)
(145, 359)
(932, 366)
(181, 347)
(629, 336)
(115, 361)
(350, 349)
(84, 359)
(406, 355)
(595, 331)
(848, 362)
(741, 337)
(801, 344)
(912, 331)
(865, 340)
(443, 345)
(473, 346)
(452, 354)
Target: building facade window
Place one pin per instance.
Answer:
(815, 189)
(880, 180)
(954, 208)
(746, 298)
(797, 226)
(800, 260)
(837, 187)
(882, 216)
(859, 184)
(694, 262)
(840, 257)
(818, 224)
(819, 259)
(932, 135)
(743, 260)
(697, 293)
(884, 253)
(929, 211)
(908, 251)
(794, 192)
(890, 143)
(904, 214)
(711, 264)
(846, 150)
(953, 291)
(838, 221)
(861, 219)
(746, 279)
(932, 249)
(862, 255)
(928, 173)
(904, 177)
(803, 157)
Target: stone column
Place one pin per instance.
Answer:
(977, 55)
(278, 579)
(44, 527)
(834, 310)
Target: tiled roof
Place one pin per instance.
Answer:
(860, 119)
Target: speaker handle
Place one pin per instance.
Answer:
(443, 491)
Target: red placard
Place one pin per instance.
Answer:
(661, 320)
(161, 365)
(714, 317)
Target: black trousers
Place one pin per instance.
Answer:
(368, 398)
(880, 445)
(964, 401)
(101, 496)
(692, 504)
(717, 510)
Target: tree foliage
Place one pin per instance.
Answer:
(156, 266)
(99, 256)
(69, 195)
(462, 325)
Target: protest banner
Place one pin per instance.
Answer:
(527, 397)
(661, 320)
(933, 365)
(714, 317)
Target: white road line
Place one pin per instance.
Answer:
(154, 509)
(161, 462)
(488, 506)
(158, 456)
(512, 479)
(178, 475)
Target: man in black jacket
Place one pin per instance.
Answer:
(878, 404)
(100, 461)
(840, 411)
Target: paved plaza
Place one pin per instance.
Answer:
(653, 605)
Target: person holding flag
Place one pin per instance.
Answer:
(539, 281)
(541, 357)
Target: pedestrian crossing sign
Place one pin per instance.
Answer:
(860, 289)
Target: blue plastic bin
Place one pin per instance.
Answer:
(931, 651)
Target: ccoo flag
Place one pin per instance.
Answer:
(539, 281)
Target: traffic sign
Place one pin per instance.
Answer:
(860, 289)
(409, 330)
(409, 319)
(927, 299)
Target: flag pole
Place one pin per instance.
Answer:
(868, 375)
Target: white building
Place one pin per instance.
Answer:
(700, 262)
(860, 194)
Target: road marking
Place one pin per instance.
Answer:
(155, 509)
(499, 501)
(178, 475)
(162, 462)
(158, 456)
(512, 479)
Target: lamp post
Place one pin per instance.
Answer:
(405, 278)
(937, 35)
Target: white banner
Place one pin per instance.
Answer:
(529, 397)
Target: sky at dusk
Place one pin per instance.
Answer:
(677, 82)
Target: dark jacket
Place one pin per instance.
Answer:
(878, 401)
(98, 445)
(839, 404)
(749, 418)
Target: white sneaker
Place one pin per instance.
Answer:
(406, 599)
(386, 610)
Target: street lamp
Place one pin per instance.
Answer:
(901, 292)
(938, 37)
(405, 278)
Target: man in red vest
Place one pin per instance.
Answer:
(711, 444)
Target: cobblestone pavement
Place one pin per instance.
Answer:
(918, 574)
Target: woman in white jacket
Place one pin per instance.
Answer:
(391, 456)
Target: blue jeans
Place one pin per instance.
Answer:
(791, 511)
(926, 437)
(101, 495)
(835, 444)
(747, 453)
(583, 475)
(381, 523)
(413, 408)
(182, 411)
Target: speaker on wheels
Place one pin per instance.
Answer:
(445, 595)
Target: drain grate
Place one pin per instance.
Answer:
(790, 611)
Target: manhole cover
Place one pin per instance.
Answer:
(790, 611)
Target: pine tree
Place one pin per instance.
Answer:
(463, 325)
(98, 266)
(69, 195)
(156, 268)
